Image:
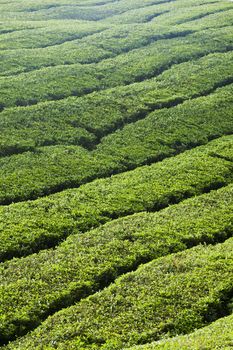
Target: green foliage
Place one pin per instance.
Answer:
(54, 83)
(94, 10)
(65, 121)
(218, 335)
(45, 170)
(52, 279)
(95, 94)
(60, 46)
(34, 35)
(182, 12)
(88, 10)
(31, 226)
(169, 131)
(171, 295)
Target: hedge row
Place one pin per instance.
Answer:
(54, 83)
(91, 11)
(171, 295)
(52, 168)
(182, 12)
(52, 279)
(170, 131)
(67, 121)
(218, 335)
(112, 40)
(30, 226)
(40, 35)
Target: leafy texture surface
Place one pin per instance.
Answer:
(116, 174)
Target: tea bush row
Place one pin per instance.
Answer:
(147, 144)
(54, 83)
(52, 279)
(168, 296)
(33, 225)
(218, 335)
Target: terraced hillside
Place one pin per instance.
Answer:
(116, 174)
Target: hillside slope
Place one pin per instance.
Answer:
(116, 174)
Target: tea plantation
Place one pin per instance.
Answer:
(116, 174)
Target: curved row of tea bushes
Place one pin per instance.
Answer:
(30, 226)
(52, 279)
(43, 34)
(175, 12)
(22, 135)
(168, 296)
(49, 170)
(58, 82)
(53, 168)
(218, 335)
(67, 121)
(170, 131)
(108, 43)
(74, 243)
(32, 184)
(64, 10)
